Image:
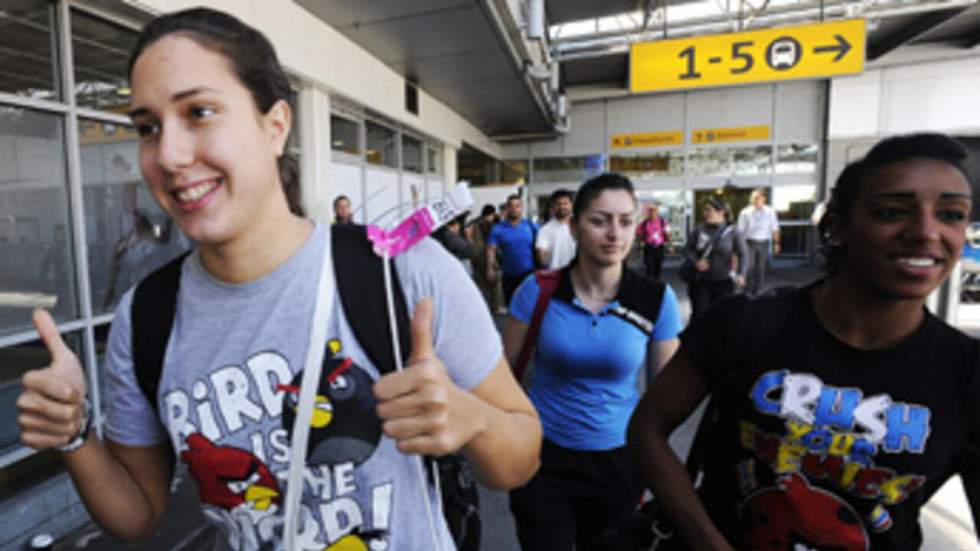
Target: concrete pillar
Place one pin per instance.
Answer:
(313, 123)
(449, 168)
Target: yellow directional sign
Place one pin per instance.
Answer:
(807, 51)
(736, 134)
(647, 139)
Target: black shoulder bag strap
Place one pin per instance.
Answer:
(151, 319)
(360, 284)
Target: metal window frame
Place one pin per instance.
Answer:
(71, 114)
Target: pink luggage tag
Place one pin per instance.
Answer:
(420, 223)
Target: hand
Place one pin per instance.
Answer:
(739, 281)
(51, 405)
(419, 406)
(702, 265)
(776, 248)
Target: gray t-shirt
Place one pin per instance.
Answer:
(230, 385)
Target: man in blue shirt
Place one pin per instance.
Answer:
(515, 238)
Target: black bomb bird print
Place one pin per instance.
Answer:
(344, 426)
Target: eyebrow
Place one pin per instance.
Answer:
(142, 111)
(912, 195)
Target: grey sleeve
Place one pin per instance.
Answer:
(466, 340)
(130, 419)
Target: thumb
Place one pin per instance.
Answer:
(52, 338)
(421, 331)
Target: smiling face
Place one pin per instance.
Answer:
(605, 230)
(906, 228)
(207, 153)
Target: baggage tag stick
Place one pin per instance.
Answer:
(387, 245)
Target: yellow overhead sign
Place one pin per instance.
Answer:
(735, 134)
(806, 51)
(647, 139)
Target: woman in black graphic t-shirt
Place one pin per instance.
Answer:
(842, 406)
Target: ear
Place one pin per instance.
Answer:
(837, 230)
(278, 122)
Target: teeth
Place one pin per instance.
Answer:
(194, 193)
(917, 262)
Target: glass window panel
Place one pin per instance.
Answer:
(711, 162)
(796, 158)
(513, 172)
(27, 49)
(723, 161)
(796, 239)
(411, 154)
(101, 53)
(434, 160)
(128, 235)
(36, 260)
(381, 145)
(649, 165)
(794, 202)
(567, 169)
(345, 135)
(754, 160)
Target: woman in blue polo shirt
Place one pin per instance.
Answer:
(603, 326)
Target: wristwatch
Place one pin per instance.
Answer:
(82, 435)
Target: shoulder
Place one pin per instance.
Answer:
(642, 293)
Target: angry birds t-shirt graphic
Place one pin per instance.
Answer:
(795, 515)
(345, 426)
(229, 477)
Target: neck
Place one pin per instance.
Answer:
(862, 317)
(596, 284)
(562, 220)
(263, 248)
(514, 221)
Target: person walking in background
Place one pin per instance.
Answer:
(514, 236)
(760, 227)
(451, 237)
(604, 327)
(654, 236)
(555, 245)
(342, 213)
(709, 252)
(477, 234)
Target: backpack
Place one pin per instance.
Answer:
(358, 273)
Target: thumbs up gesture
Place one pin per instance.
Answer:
(420, 407)
(51, 406)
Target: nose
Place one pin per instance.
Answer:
(923, 226)
(175, 147)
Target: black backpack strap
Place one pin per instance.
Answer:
(360, 284)
(152, 318)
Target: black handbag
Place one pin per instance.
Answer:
(688, 272)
